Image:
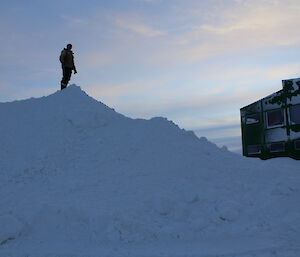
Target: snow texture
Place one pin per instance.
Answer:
(78, 179)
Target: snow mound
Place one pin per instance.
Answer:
(10, 228)
(79, 179)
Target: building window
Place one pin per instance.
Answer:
(254, 149)
(295, 114)
(275, 118)
(297, 145)
(252, 119)
(277, 147)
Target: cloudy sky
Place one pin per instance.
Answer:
(196, 62)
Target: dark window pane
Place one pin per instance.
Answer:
(251, 119)
(254, 149)
(295, 114)
(297, 145)
(275, 118)
(277, 147)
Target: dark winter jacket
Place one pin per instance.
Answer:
(67, 59)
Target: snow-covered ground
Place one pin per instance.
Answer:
(78, 179)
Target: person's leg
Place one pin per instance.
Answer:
(67, 72)
(63, 83)
(68, 75)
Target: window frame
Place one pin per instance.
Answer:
(296, 148)
(249, 115)
(252, 153)
(290, 118)
(273, 143)
(275, 126)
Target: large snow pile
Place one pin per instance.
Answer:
(79, 179)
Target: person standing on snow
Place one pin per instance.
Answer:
(67, 63)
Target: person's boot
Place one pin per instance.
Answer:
(63, 86)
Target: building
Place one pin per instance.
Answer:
(271, 126)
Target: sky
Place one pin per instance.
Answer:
(195, 62)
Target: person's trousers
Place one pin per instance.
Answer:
(67, 72)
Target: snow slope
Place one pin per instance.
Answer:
(79, 179)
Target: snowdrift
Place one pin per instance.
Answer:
(79, 179)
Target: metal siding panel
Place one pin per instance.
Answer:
(294, 100)
(270, 102)
(294, 135)
(251, 108)
(292, 88)
(275, 135)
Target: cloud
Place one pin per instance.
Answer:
(141, 104)
(138, 27)
(237, 27)
(149, 1)
(117, 90)
(239, 86)
(75, 21)
(255, 17)
(96, 59)
(213, 103)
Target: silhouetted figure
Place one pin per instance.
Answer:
(67, 63)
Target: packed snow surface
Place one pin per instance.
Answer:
(78, 179)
